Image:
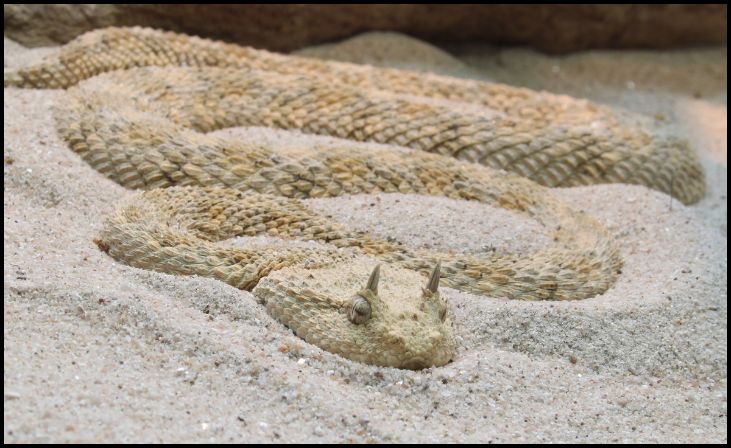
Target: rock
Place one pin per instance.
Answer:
(551, 28)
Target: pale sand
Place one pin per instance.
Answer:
(96, 351)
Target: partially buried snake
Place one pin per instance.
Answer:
(145, 100)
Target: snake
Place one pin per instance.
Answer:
(140, 105)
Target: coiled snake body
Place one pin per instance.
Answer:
(141, 120)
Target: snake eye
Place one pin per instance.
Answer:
(359, 311)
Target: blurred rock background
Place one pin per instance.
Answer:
(549, 28)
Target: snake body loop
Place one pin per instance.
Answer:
(138, 109)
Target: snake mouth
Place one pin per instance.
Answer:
(424, 363)
(415, 364)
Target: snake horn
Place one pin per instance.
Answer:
(433, 283)
(373, 280)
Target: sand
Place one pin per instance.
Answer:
(96, 351)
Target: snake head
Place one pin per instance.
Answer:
(412, 333)
(382, 315)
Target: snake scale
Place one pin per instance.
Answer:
(140, 103)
